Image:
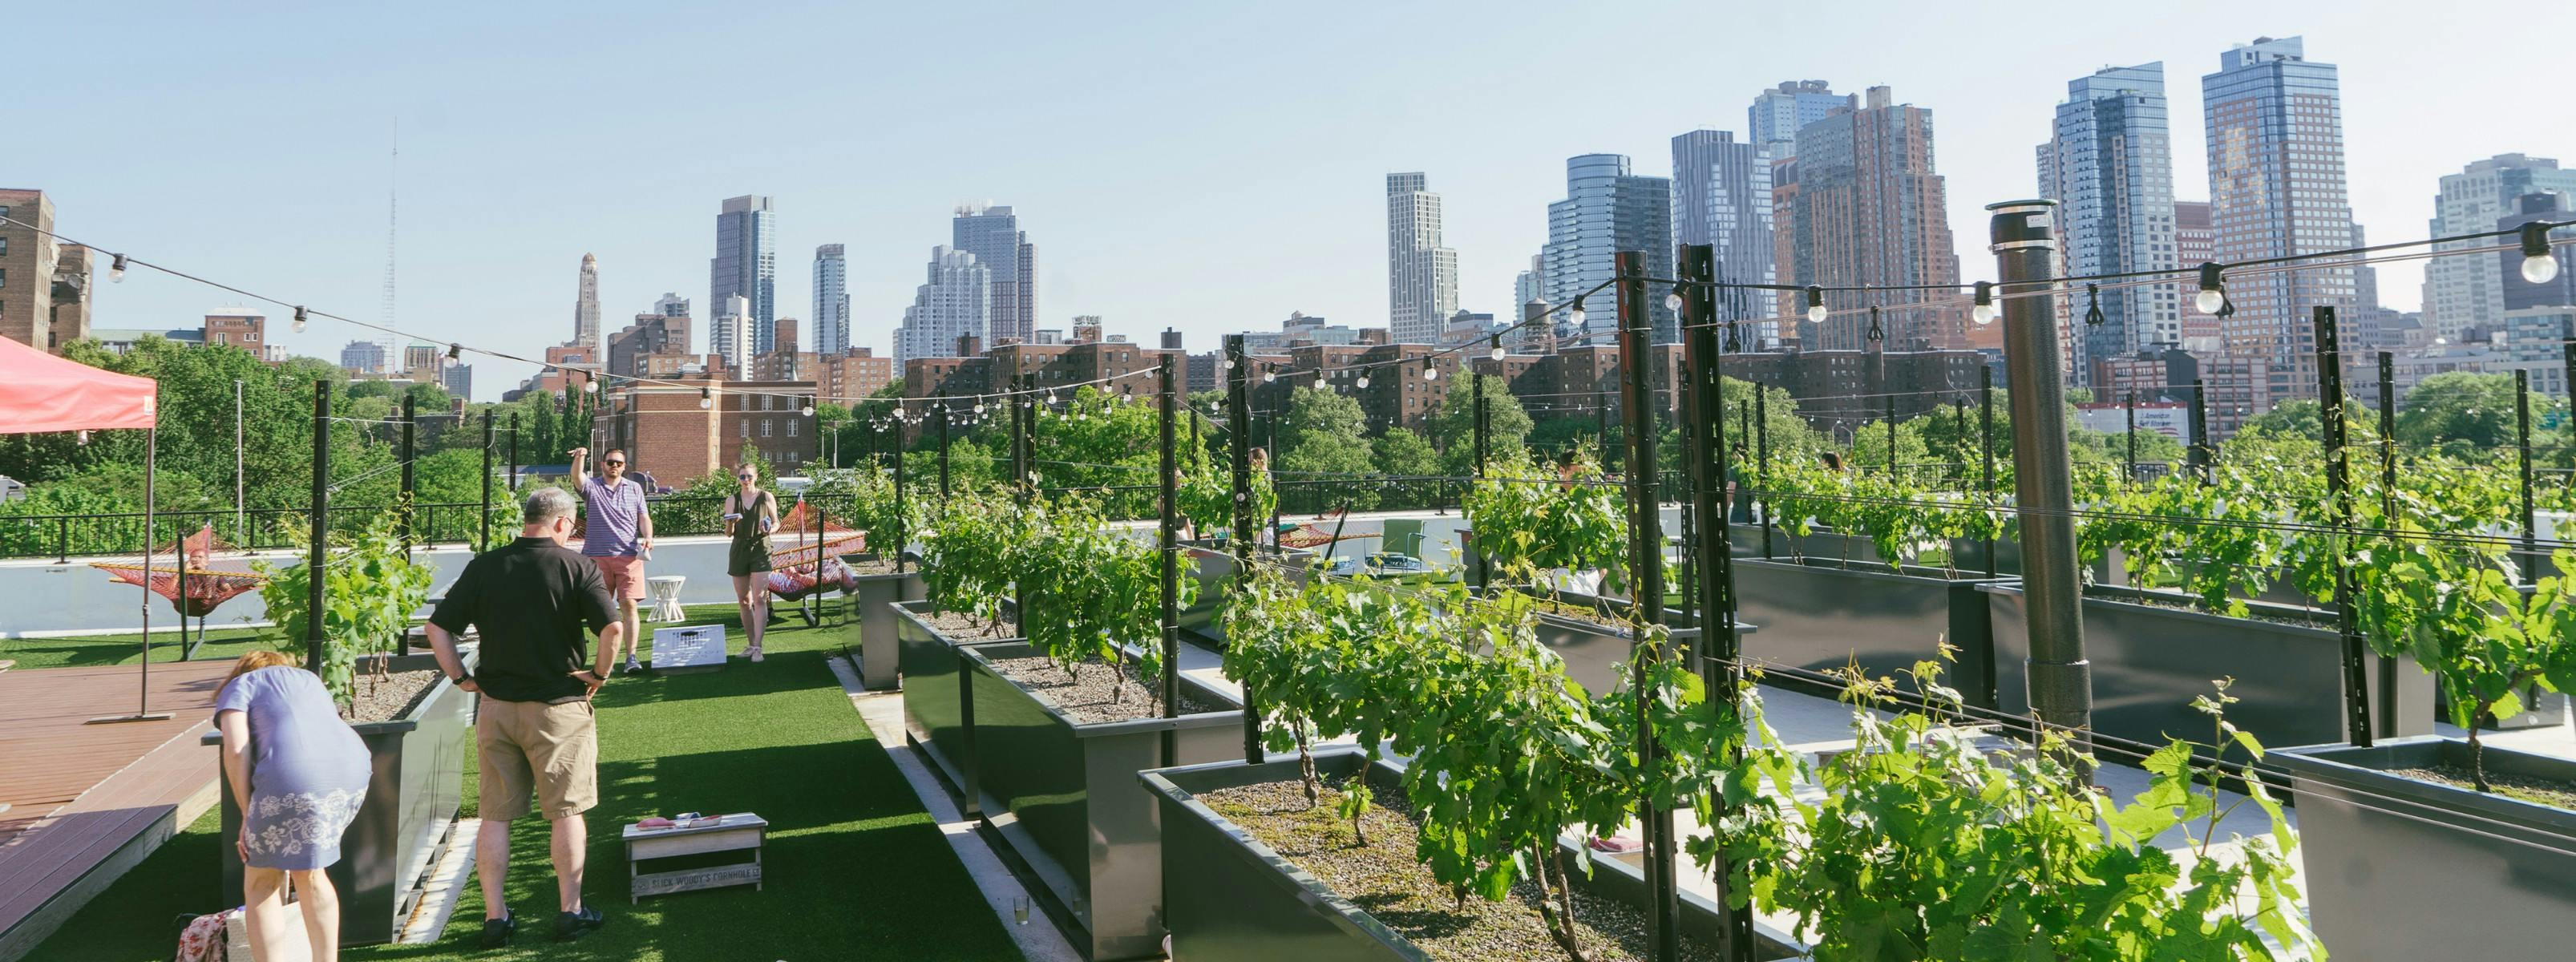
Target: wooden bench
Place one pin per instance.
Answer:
(739, 832)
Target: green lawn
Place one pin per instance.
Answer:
(855, 868)
(82, 652)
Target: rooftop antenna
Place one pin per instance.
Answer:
(393, 181)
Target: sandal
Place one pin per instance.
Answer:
(754, 653)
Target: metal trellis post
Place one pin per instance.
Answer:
(2330, 402)
(1646, 591)
(1238, 425)
(1169, 542)
(1718, 649)
(321, 527)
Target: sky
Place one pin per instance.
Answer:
(1206, 167)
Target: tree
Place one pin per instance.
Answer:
(2459, 410)
(1401, 452)
(1453, 429)
(1326, 442)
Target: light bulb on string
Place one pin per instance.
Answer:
(1575, 316)
(1361, 383)
(809, 409)
(1269, 375)
(2213, 289)
(1497, 352)
(706, 399)
(1673, 301)
(299, 320)
(116, 271)
(2539, 266)
(1984, 312)
(1816, 304)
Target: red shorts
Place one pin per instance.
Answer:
(624, 574)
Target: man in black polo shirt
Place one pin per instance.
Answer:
(535, 734)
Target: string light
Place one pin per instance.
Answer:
(299, 319)
(1673, 301)
(706, 398)
(1361, 383)
(453, 350)
(2093, 305)
(2538, 265)
(2213, 289)
(1430, 369)
(1816, 304)
(1269, 373)
(1984, 312)
(116, 270)
(1498, 347)
(809, 408)
(1575, 316)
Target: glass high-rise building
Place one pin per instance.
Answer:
(1421, 275)
(2110, 166)
(2276, 188)
(746, 263)
(1722, 198)
(1607, 210)
(2465, 292)
(956, 301)
(1772, 123)
(831, 300)
(994, 236)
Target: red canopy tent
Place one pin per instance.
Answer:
(43, 393)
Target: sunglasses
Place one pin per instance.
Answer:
(614, 464)
(746, 477)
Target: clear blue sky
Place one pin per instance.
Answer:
(1206, 169)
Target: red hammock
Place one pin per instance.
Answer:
(813, 564)
(206, 588)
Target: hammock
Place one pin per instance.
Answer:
(813, 565)
(206, 588)
(1308, 536)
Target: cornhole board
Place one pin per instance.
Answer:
(694, 648)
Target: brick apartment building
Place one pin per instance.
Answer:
(651, 334)
(666, 433)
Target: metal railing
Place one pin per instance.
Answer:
(67, 536)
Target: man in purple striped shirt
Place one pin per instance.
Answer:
(617, 536)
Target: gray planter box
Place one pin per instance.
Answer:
(1064, 799)
(407, 820)
(1821, 543)
(1211, 563)
(1232, 897)
(2150, 661)
(1594, 651)
(1820, 617)
(2382, 851)
(880, 661)
(936, 712)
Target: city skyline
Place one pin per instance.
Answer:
(1302, 226)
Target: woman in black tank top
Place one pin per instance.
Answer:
(750, 514)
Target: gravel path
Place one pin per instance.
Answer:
(1385, 880)
(391, 697)
(1087, 697)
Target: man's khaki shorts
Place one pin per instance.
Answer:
(530, 747)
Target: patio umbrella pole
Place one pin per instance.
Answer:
(143, 677)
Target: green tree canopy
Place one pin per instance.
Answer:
(1453, 429)
(1324, 437)
(2459, 410)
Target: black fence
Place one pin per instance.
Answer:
(66, 536)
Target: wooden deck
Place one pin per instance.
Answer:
(86, 802)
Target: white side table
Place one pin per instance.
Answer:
(665, 590)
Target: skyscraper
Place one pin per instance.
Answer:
(831, 300)
(1421, 275)
(2196, 243)
(585, 307)
(955, 302)
(2110, 165)
(1867, 209)
(746, 265)
(1772, 123)
(2465, 292)
(1722, 198)
(734, 334)
(994, 236)
(1607, 210)
(671, 305)
(2276, 188)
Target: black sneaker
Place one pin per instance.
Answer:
(574, 925)
(497, 932)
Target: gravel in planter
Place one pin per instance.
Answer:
(877, 567)
(1087, 697)
(2521, 788)
(390, 697)
(964, 626)
(1385, 880)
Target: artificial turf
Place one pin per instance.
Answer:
(223, 644)
(854, 868)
